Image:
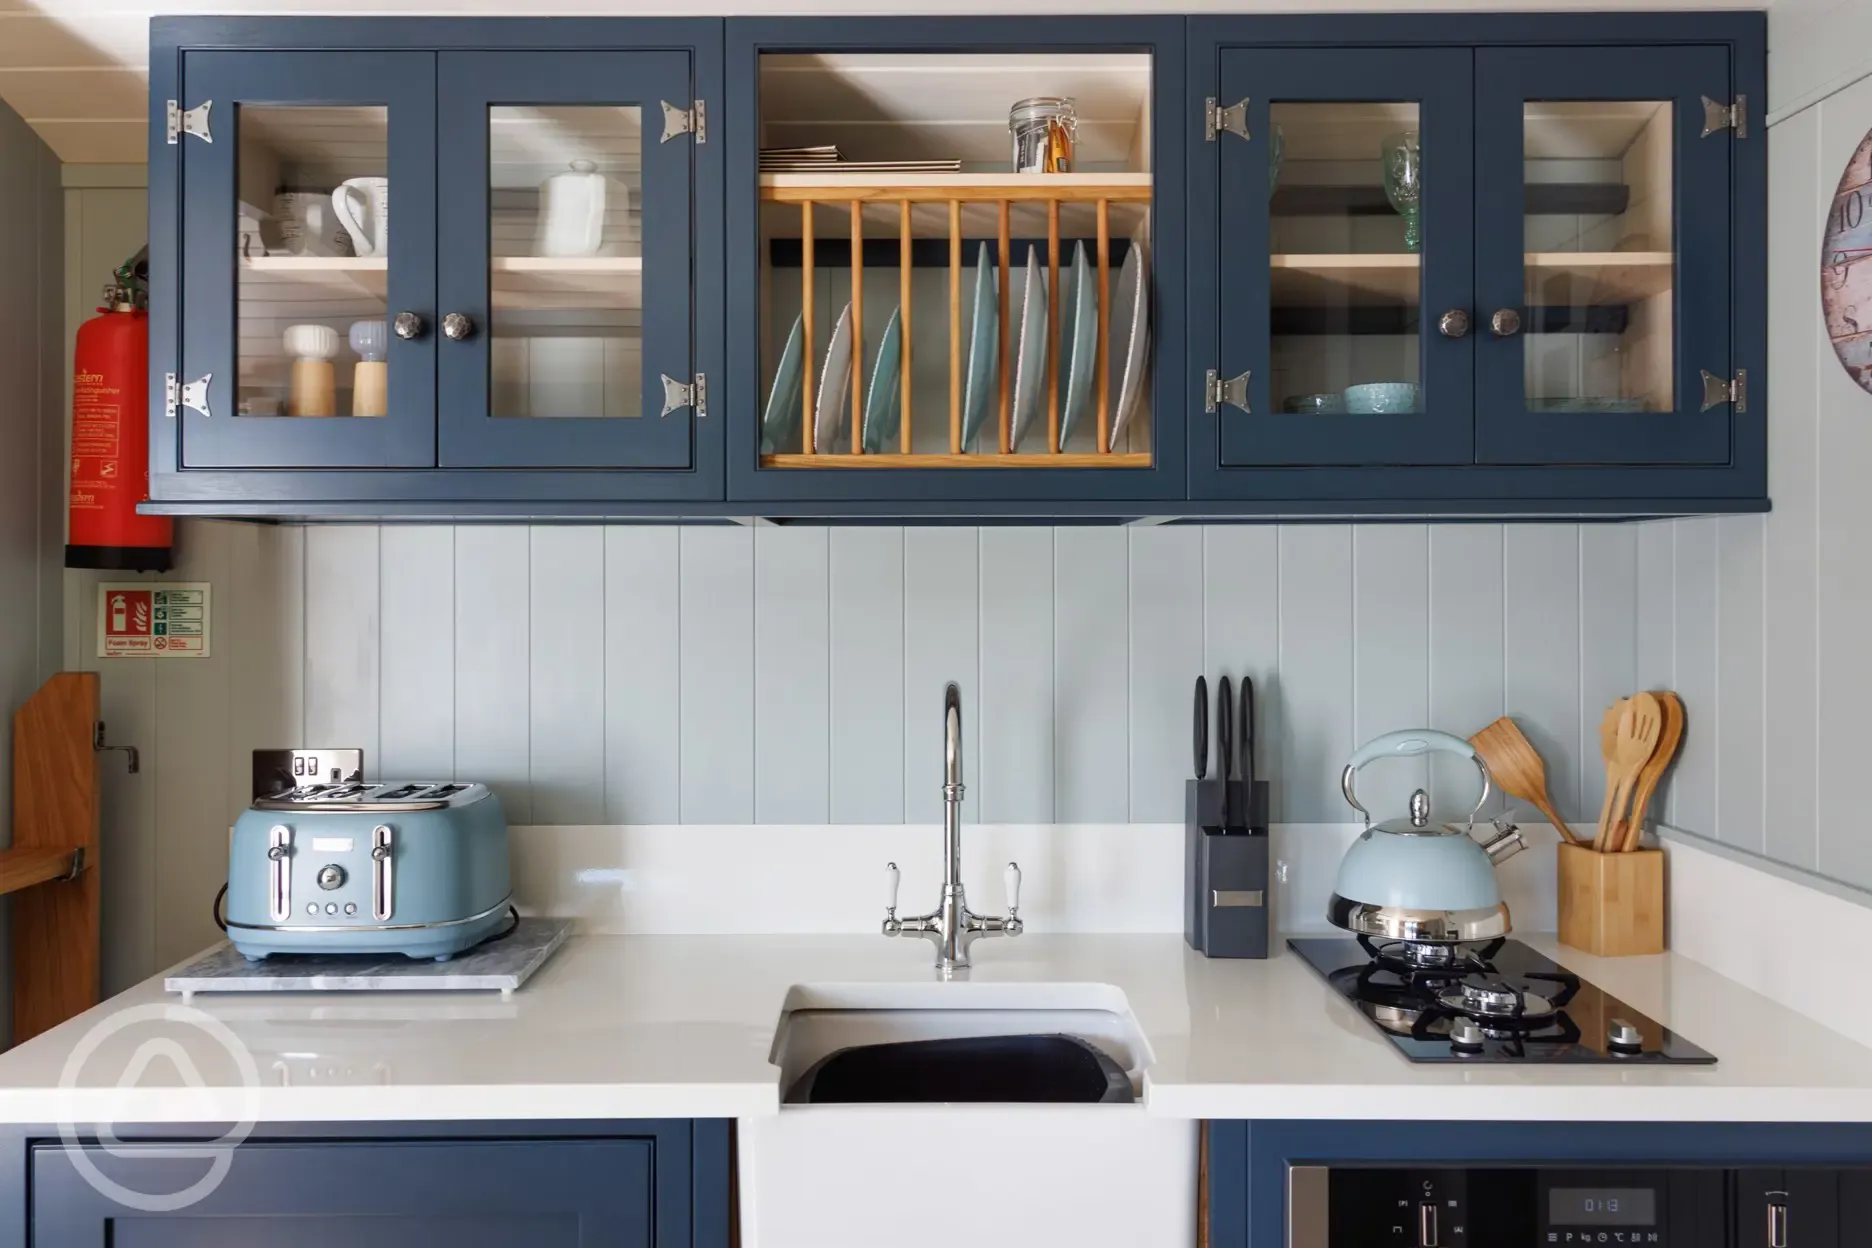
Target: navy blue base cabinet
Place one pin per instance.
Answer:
(453, 1185)
(1674, 1185)
(1446, 265)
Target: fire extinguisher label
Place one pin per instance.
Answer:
(153, 620)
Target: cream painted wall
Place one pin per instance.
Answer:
(1767, 614)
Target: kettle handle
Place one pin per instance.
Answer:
(1408, 743)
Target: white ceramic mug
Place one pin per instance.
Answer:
(363, 208)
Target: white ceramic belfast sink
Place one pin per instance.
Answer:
(909, 1174)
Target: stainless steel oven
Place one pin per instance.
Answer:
(1366, 1206)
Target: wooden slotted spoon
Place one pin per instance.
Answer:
(1639, 726)
(1653, 770)
(1517, 767)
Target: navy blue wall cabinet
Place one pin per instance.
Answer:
(467, 1185)
(1822, 1172)
(1492, 257)
(533, 328)
(1003, 399)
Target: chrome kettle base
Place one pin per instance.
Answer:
(1441, 927)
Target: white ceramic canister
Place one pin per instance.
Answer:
(572, 211)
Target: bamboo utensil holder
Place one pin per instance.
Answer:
(1612, 904)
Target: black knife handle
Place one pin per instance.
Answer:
(1225, 732)
(1248, 741)
(1201, 728)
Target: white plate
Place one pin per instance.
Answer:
(1132, 320)
(834, 381)
(1031, 363)
(1079, 377)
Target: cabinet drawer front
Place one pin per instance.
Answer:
(557, 1194)
(285, 316)
(1599, 317)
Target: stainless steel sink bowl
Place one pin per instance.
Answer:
(975, 1070)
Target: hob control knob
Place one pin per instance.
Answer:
(331, 876)
(1622, 1036)
(1465, 1036)
(1426, 1225)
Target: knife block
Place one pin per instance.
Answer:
(1612, 905)
(1227, 910)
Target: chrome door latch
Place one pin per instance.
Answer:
(680, 121)
(1718, 390)
(678, 395)
(1233, 118)
(190, 394)
(1719, 116)
(1218, 390)
(189, 121)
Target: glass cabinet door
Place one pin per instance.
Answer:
(1603, 242)
(305, 322)
(565, 237)
(1344, 239)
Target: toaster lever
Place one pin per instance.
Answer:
(383, 874)
(279, 872)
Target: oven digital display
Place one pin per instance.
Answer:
(1602, 1206)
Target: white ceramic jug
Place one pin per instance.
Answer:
(571, 211)
(363, 208)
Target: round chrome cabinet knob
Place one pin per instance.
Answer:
(1506, 323)
(457, 326)
(408, 325)
(1622, 1037)
(331, 876)
(1453, 323)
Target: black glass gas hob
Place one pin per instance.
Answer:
(1498, 1001)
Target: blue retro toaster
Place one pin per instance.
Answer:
(371, 868)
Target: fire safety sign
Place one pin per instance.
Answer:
(153, 620)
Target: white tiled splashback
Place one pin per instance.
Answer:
(792, 676)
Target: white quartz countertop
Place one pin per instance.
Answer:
(682, 1026)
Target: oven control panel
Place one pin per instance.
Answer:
(1454, 1207)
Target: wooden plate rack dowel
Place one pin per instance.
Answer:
(999, 194)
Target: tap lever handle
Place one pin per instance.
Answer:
(1012, 878)
(891, 877)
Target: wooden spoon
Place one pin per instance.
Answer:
(1517, 767)
(1608, 750)
(1654, 768)
(1638, 730)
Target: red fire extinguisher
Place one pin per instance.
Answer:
(110, 440)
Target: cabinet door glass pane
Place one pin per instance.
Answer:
(565, 218)
(1600, 256)
(311, 237)
(1346, 242)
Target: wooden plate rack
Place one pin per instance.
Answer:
(997, 192)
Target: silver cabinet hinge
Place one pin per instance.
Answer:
(1719, 116)
(189, 121)
(1233, 118)
(1717, 391)
(679, 121)
(678, 395)
(190, 394)
(1218, 390)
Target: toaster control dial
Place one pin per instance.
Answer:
(331, 876)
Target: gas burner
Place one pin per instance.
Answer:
(1498, 1001)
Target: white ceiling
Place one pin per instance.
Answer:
(76, 70)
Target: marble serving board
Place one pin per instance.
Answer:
(496, 966)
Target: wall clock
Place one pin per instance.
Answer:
(1846, 268)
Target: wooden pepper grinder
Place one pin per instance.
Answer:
(370, 380)
(314, 384)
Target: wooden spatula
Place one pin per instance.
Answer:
(1639, 726)
(1654, 769)
(1517, 767)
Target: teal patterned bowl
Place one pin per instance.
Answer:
(1381, 397)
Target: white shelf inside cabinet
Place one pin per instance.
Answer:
(518, 282)
(1581, 278)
